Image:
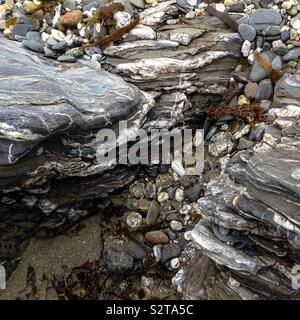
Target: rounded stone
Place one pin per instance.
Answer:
(250, 90)
(157, 236)
(66, 58)
(247, 32)
(162, 197)
(33, 45)
(71, 19)
(170, 251)
(134, 220)
(153, 212)
(264, 90)
(176, 225)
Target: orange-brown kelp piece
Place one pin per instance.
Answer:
(223, 16)
(274, 75)
(115, 36)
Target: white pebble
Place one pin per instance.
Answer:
(174, 263)
(176, 225)
(122, 18)
(157, 252)
(162, 197)
(134, 220)
(246, 47)
(185, 209)
(178, 168)
(179, 195)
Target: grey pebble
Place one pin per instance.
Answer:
(33, 45)
(292, 55)
(247, 32)
(264, 90)
(169, 251)
(66, 58)
(60, 46)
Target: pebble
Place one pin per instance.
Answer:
(277, 63)
(33, 35)
(50, 53)
(153, 212)
(69, 4)
(258, 72)
(134, 220)
(174, 263)
(157, 236)
(246, 48)
(271, 31)
(257, 132)
(264, 90)
(122, 18)
(57, 35)
(138, 3)
(169, 251)
(293, 54)
(162, 197)
(179, 195)
(279, 47)
(264, 17)
(60, 46)
(143, 205)
(243, 100)
(221, 144)
(33, 45)
(193, 193)
(244, 143)
(157, 252)
(176, 225)
(21, 29)
(66, 58)
(71, 19)
(90, 6)
(178, 168)
(185, 209)
(247, 32)
(285, 35)
(117, 262)
(250, 90)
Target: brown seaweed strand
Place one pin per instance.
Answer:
(222, 16)
(274, 75)
(115, 36)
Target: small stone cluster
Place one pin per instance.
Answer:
(269, 28)
(60, 29)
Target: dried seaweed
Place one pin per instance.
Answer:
(115, 36)
(223, 16)
(246, 112)
(103, 15)
(274, 75)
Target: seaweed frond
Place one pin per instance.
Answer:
(274, 75)
(114, 36)
(249, 113)
(223, 16)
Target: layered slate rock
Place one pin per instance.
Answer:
(185, 62)
(250, 231)
(50, 115)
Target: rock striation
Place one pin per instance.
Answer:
(184, 63)
(250, 227)
(50, 115)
